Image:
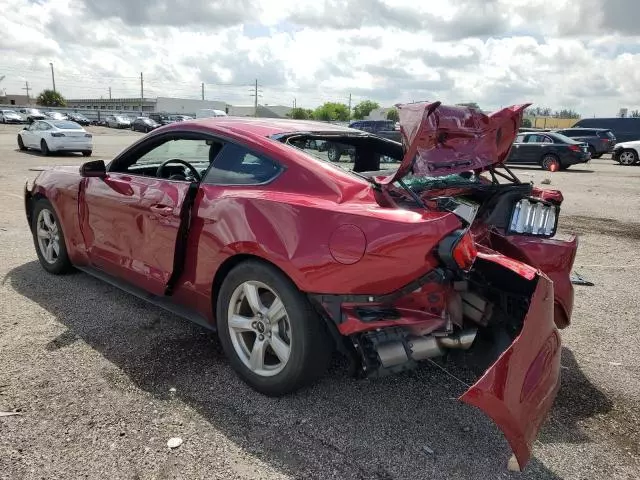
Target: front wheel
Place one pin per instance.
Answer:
(21, 143)
(628, 157)
(550, 163)
(273, 338)
(49, 239)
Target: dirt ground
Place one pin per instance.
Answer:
(102, 380)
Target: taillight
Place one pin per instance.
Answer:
(458, 250)
(574, 148)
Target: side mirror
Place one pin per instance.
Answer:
(95, 168)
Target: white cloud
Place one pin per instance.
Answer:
(558, 53)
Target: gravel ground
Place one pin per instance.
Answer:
(103, 380)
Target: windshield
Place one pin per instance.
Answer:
(66, 125)
(7, 112)
(563, 138)
(122, 119)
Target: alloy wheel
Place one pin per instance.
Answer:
(48, 236)
(627, 158)
(259, 328)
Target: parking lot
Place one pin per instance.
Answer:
(102, 380)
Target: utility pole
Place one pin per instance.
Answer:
(27, 88)
(256, 93)
(202, 90)
(109, 93)
(349, 106)
(141, 92)
(53, 78)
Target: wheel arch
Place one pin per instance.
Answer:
(229, 264)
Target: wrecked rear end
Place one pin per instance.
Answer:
(501, 288)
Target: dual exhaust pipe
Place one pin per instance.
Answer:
(393, 354)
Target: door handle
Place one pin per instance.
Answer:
(161, 209)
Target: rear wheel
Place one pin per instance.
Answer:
(21, 143)
(551, 163)
(49, 239)
(273, 338)
(87, 153)
(628, 157)
(44, 148)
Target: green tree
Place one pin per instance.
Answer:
(364, 108)
(300, 113)
(50, 98)
(526, 123)
(332, 111)
(635, 114)
(469, 105)
(392, 114)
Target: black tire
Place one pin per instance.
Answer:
(62, 264)
(548, 161)
(596, 155)
(310, 344)
(334, 153)
(21, 143)
(44, 148)
(628, 157)
(87, 153)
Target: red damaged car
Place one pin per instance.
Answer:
(231, 223)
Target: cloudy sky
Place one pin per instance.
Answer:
(583, 55)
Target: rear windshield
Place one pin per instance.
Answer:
(66, 125)
(608, 134)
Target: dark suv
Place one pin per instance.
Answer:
(381, 128)
(600, 140)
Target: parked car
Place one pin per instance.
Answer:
(161, 118)
(10, 116)
(118, 121)
(552, 151)
(210, 112)
(289, 257)
(627, 153)
(600, 140)
(78, 118)
(51, 136)
(382, 128)
(32, 114)
(144, 124)
(56, 116)
(624, 129)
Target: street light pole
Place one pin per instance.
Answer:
(53, 78)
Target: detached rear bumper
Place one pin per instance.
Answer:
(518, 390)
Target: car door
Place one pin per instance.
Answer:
(131, 218)
(517, 150)
(33, 134)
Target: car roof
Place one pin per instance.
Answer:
(263, 127)
(584, 128)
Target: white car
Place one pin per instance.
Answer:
(10, 116)
(627, 153)
(118, 121)
(56, 136)
(209, 113)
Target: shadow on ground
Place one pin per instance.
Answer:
(363, 429)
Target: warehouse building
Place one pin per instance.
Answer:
(160, 104)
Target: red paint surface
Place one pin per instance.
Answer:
(442, 140)
(518, 390)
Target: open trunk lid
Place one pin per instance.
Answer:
(443, 140)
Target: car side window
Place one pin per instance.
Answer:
(546, 139)
(519, 139)
(236, 165)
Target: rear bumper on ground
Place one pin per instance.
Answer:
(66, 146)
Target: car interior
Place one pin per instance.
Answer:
(368, 153)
